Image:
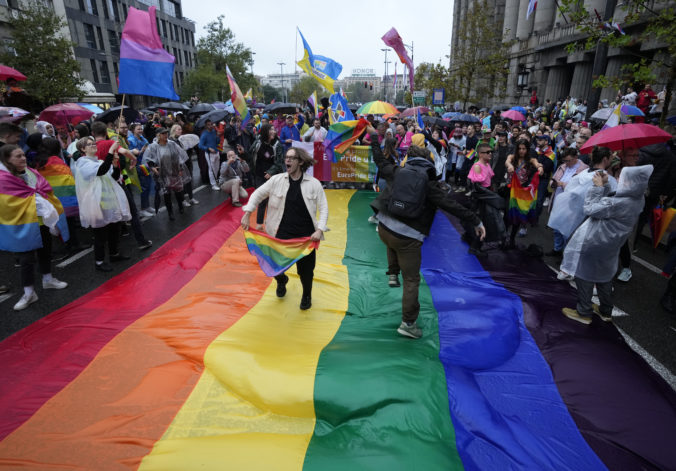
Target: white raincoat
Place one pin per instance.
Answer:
(593, 250)
(102, 201)
(568, 212)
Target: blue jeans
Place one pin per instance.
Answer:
(147, 185)
(559, 241)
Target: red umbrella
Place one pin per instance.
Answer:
(64, 113)
(413, 111)
(7, 72)
(513, 115)
(626, 136)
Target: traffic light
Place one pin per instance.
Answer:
(365, 85)
(371, 85)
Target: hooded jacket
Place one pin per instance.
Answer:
(593, 250)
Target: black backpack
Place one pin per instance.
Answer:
(409, 188)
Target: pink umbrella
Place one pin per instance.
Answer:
(64, 113)
(513, 115)
(413, 111)
(7, 72)
(626, 136)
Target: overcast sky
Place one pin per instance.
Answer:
(350, 33)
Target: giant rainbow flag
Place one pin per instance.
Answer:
(210, 370)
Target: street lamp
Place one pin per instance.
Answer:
(252, 62)
(385, 77)
(281, 70)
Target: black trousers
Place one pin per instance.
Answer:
(260, 214)
(109, 233)
(27, 259)
(135, 221)
(305, 267)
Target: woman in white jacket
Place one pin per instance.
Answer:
(294, 200)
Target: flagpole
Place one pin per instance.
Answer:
(295, 54)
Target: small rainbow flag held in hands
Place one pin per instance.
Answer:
(522, 201)
(59, 176)
(342, 135)
(238, 101)
(144, 170)
(275, 256)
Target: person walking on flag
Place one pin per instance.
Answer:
(295, 198)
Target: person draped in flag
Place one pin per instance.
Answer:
(26, 196)
(295, 198)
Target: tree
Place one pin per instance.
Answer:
(214, 51)
(303, 89)
(642, 24)
(271, 93)
(429, 76)
(42, 54)
(479, 69)
(357, 93)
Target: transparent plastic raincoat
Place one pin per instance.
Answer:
(102, 201)
(593, 250)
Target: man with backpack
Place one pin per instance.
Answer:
(405, 211)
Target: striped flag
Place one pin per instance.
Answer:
(275, 256)
(522, 201)
(614, 118)
(342, 135)
(312, 100)
(238, 101)
(532, 5)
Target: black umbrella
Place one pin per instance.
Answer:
(434, 120)
(201, 108)
(466, 118)
(281, 107)
(111, 114)
(215, 116)
(173, 106)
(259, 106)
(500, 108)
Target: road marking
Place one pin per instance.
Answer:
(5, 297)
(199, 188)
(649, 266)
(75, 257)
(652, 361)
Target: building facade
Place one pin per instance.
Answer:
(538, 59)
(95, 28)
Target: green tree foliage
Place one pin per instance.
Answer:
(272, 93)
(479, 66)
(642, 24)
(43, 55)
(214, 51)
(429, 76)
(357, 93)
(303, 89)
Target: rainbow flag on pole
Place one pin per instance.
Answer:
(342, 135)
(145, 67)
(522, 200)
(210, 370)
(275, 256)
(59, 176)
(238, 101)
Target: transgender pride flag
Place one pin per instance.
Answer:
(145, 67)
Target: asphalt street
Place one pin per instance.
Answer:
(646, 326)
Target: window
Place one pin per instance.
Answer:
(116, 69)
(114, 43)
(95, 74)
(176, 32)
(169, 8)
(171, 32)
(177, 56)
(186, 60)
(89, 6)
(105, 75)
(124, 10)
(164, 28)
(99, 34)
(112, 9)
(89, 36)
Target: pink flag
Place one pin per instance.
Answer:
(392, 39)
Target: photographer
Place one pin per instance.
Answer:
(231, 176)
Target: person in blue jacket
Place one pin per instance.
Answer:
(291, 132)
(209, 141)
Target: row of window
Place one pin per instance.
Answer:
(165, 28)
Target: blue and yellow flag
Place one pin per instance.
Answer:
(338, 110)
(322, 69)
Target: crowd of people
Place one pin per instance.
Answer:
(473, 168)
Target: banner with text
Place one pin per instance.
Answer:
(355, 165)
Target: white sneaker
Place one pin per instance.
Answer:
(54, 284)
(186, 204)
(373, 219)
(563, 276)
(193, 201)
(625, 275)
(25, 301)
(215, 187)
(523, 232)
(146, 213)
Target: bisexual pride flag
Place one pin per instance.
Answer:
(209, 370)
(145, 67)
(275, 256)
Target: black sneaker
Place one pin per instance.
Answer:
(104, 267)
(118, 257)
(305, 302)
(393, 281)
(281, 287)
(555, 253)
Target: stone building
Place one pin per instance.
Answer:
(538, 59)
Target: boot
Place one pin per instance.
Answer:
(167, 203)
